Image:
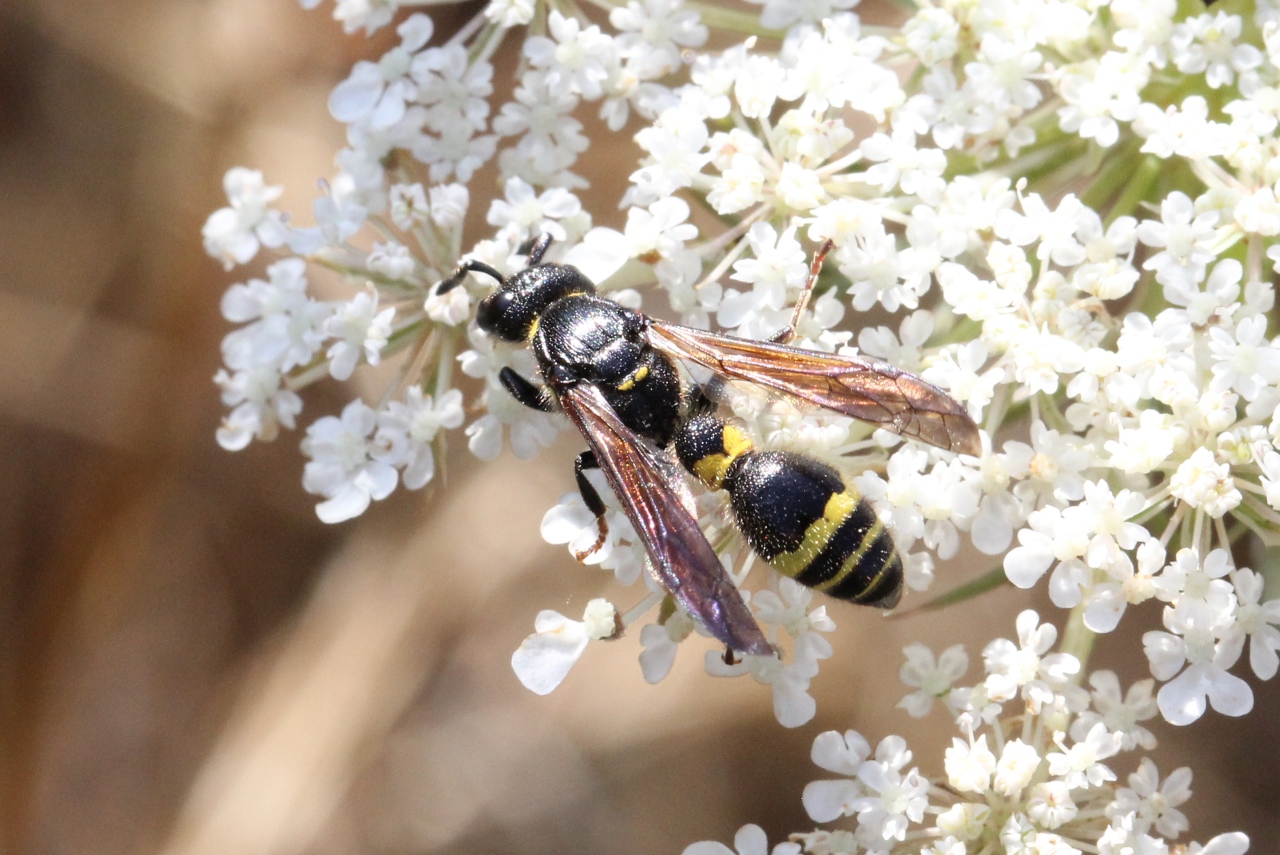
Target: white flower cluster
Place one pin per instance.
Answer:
(1037, 779)
(1113, 342)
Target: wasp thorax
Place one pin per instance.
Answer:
(511, 313)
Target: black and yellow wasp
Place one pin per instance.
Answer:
(610, 369)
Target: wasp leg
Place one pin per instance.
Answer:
(468, 266)
(587, 460)
(730, 658)
(535, 248)
(784, 335)
(534, 397)
(704, 398)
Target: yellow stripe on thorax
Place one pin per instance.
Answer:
(712, 468)
(851, 563)
(818, 535)
(630, 383)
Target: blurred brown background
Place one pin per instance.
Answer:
(191, 663)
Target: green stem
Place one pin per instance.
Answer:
(1077, 639)
(1138, 188)
(747, 23)
(1112, 179)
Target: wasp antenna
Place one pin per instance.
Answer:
(535, 248)
(468, 266)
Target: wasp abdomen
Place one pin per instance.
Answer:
(797, 513)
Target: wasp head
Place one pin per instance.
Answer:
(511, 313)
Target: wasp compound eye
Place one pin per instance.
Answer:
(494, 315)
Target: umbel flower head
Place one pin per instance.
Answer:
(1065, 214)
(1034, 770)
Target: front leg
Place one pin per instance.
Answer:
(587, 460)
(787, 333)
(534, 397)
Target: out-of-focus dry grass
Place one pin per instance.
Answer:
(191, 663)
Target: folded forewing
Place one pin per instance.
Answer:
(648, 486)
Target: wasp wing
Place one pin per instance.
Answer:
(862, 388)
(649, 488)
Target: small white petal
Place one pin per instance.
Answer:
(544, 659)
(825, 801)
(599, 255)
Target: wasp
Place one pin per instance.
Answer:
(612, 371)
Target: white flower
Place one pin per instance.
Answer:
(372, 15)
(1017, 765)
(336, 220)
(932, 679)
(1218, 297)
(417, 420)
(234, 234)
(524, 215)
(1185, 243)
(931, 34)
(1245, 361)
(779, 15)
(778, 268)
(454, 307)
(360, 329)
(1026, 668)
(544, 658)
(284, 325)
(449, 203)
(408, 205)
(510, 13)
(1259, 621)
(1205, 44)
(261, 405)
(652, 34)
(893, 800)
(391, 259)
(570, 522)
(750, 840)
(346, 467)
(1049, 804)
(1120, 714)
(1098, 92)
(457, 152)
(450, 88)
(576, 59)
(1154, 804)
(792, 703)
(1080, 765)
(1202, 482)
(1204, 639)
(970, 765)
(918, 171)
(660, 642)
(377, 93)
